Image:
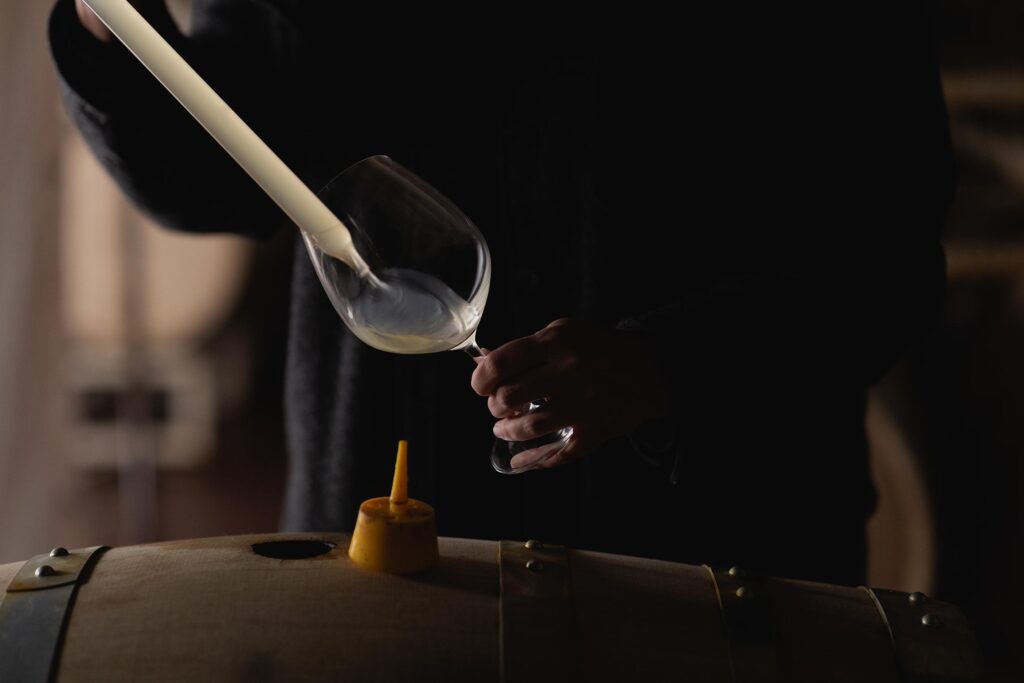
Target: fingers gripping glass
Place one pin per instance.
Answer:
(430, 275)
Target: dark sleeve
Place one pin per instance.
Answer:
(158, 154)
(821, 296)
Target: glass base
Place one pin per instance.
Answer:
(516, 457)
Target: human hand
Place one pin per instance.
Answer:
(601, 382)
(92, 23)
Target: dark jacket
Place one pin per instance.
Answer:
(764, 193)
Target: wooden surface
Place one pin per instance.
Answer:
(7, 572)
(831, 633)
(212, 610)
(640, 619)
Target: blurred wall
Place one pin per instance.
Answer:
(959, 395)
(31, 481)
(208, 325)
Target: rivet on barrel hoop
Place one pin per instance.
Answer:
(736, 573)
(535, 565)
(916, 599)
(534, 545)
(931, 621)
(59, 552)
(44, 570)
(744, 593)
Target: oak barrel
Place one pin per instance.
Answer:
(216, 610)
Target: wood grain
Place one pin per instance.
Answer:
(212, 610)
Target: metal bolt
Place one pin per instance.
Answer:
(931, 621)
(59, 552)
(534, 545)
(916, 599)
(744, 593)
(535, 565)
(44, 570)
(736, 573)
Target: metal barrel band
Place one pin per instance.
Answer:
(932, 641)
(538, 634)
(748, 625)
(34, 612)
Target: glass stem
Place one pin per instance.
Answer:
(474, 350)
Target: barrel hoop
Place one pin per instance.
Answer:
(537, 631)
(888, 627)
(932, 641)
(35, 611)
(748, 625)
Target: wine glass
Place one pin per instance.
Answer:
(430, 272)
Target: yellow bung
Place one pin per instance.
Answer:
(397, 534)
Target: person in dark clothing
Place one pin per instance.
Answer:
(735, 222)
